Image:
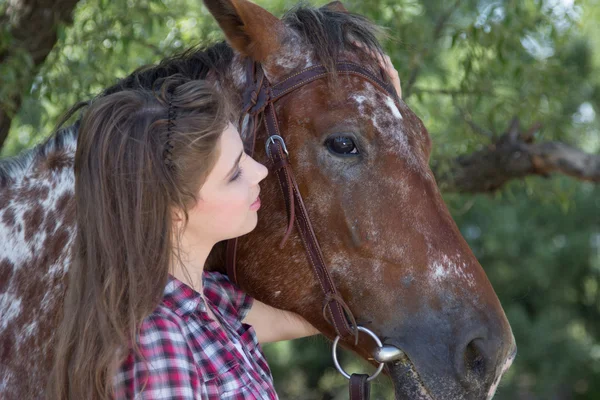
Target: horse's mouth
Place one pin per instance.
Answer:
(407, 381)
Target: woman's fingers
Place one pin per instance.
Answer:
(386, 63)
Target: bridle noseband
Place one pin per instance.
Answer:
(259, 101)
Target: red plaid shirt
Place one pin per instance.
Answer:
(189, 356)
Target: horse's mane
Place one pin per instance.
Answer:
(326, 31)
(13, 167)
(329, 32)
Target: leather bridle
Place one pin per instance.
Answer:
(259, 101)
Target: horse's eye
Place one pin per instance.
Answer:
(342, 145)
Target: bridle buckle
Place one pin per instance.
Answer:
(272, 139)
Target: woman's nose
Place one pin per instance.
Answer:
(261, 170)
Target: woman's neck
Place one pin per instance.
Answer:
(189, 268)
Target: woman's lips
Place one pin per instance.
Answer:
(256, 205)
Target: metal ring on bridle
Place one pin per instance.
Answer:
(337, 364)
(271, 139)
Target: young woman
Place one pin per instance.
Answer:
(159, 179)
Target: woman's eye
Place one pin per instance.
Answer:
(343, 145)
(237, 174)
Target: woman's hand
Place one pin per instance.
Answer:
(273, 325)
(385, 62)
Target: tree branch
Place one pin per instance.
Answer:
(33, 25)
(437, 33)
(515, 156)
(452, 92)
(466, 116)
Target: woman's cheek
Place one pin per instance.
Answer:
(233, 206)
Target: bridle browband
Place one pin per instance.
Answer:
(259, 101)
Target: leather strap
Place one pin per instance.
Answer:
(360, 388)
(258, 96)
(338, 310)
(259, 101)
(310, 74)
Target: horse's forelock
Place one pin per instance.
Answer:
(329, 32)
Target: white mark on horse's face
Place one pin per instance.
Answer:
(296, 58)
(392, 105)
(439, 272)
(359, 98)
(387, 121)
(445, 269)
(292, 56)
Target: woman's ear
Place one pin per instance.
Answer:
(177, 216)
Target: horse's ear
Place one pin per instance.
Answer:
(249, 28)
(336, 6)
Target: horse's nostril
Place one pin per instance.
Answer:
(474, 359)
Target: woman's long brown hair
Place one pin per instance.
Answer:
(125, 191)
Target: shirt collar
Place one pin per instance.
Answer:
(182, 299)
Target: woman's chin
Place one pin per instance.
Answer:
(250, 224)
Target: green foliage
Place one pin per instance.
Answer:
(108, 40)
(15, 71)
(492, 61)
(544, 263)
(467, 68)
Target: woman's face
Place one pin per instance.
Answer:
(228, 201)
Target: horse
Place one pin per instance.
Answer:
(360, 160)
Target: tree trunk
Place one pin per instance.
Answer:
(514, 156)
(33, 26)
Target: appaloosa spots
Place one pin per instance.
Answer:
(6, 271)
(5, 348)
(11, 308)
(294, 55)
(57, 244)
(50, 223)
(35, 254)
(8, 217)
(33, 219)
(57, 161)
(33, 191)
(63, 202)
(44, 192)
(387, 122)
(5, 196)
(444, 268)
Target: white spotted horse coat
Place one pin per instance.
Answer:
(37, 228)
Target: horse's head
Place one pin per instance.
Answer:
(389, 242)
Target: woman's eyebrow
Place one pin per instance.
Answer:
(235, 164)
